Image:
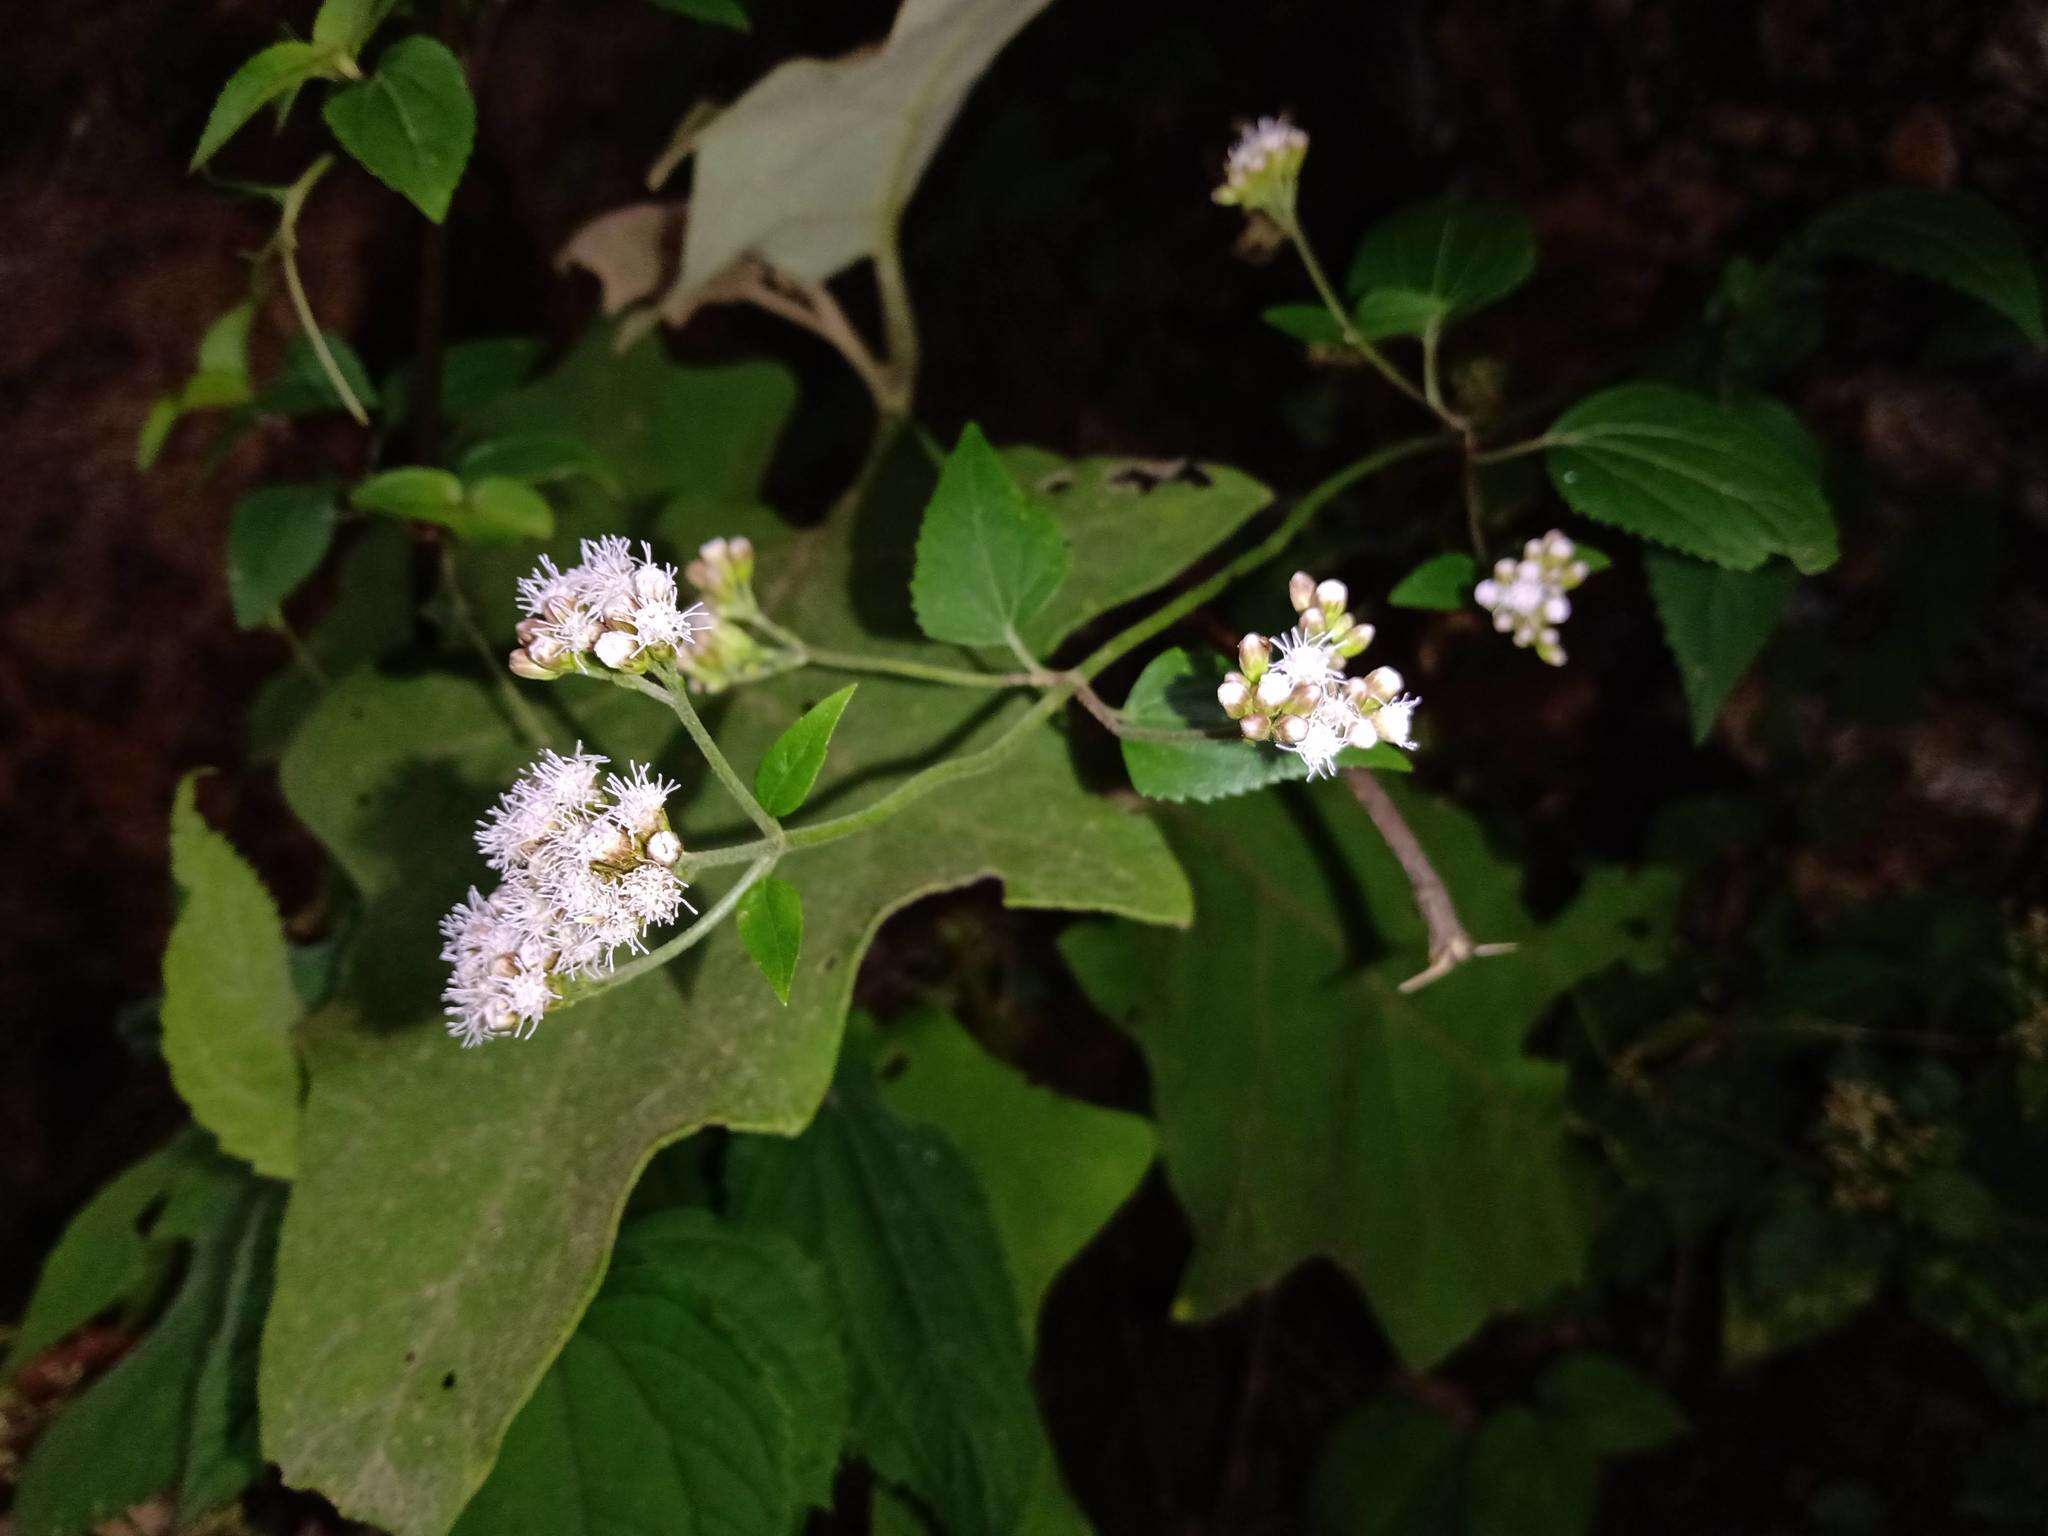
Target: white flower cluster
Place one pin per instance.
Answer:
(1263, 167)
(1301, 701)
(587, 866)
(614, 607)
(1527, 596)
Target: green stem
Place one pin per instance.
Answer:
(1513, 450)
(672, 692)
(899, 322)
(1353, 338)
(523, 715)
(1298, 518)
(689, 938)
(890, 666)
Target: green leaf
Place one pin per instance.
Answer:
(178, 1411)
(987, 561)
(705, 1389)
(1390, 1468)
(941, 1386)
(474, 376)
(1800, 1270)
(534, 457)
(302, 387)
(791, 766)
(415, 493)
(348, 24)
(771, 924)
(1311, 324)
(379, 1265)
(1054, 1170)
(1716, 622)
(102, 1258)
(717, 13)
(1306, 1108)
(221, 378)
(1528, 1476)
(1443, 584)
(501, 510)
(278, 69)
(1436, 262)
(1954, 238)
(278, 538)
(1178, 692)
(1608, 1405)
(812, 168)
(1684, 471)
(412, 124)
(229, 1007)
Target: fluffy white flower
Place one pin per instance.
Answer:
(1310, 659)
(1527, 596)
(612, 607)
(1261, 169)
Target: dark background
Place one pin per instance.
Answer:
(1076, 288)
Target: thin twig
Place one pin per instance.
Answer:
(1450, 946)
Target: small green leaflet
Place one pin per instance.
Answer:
(229, 1005)
(1178, 692)
(501, 510)
(1682, 470)
(474, 375)
(537, 458)
(1310, 324)
(1716, 622)
(279, 536)
(1431, 264)
(412, 124)
(790, 767)
(717, 13)
(987, 560)
(220, 379)
(278, 69)
(1608, 1404)
(416, 493)
(1390, 1468)
(1443, 584)
(302, 387)
(1954, 238)
(771, 924)
(347, 24)
(941, 1390)
(705, 1389)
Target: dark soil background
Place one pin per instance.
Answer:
(1076, 288)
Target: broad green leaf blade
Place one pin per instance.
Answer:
(1305, 1109)
(1442, 584)
(224, 349)
(500, 510)
(770, 918)
(1390, 1468)
(941, 1385)
(474, 376)
(1528, 1476)
(412, 124)
(1438, 261)
(1684, 471)
(987, 561)
(534, 457)
(1178, 692)
(1054, 1170)
(102, 1257)
(280, 68)
(177, 1412)
(791, 766)
(1125, 521)
(1954, 238)
(348, 24)
(812, 168)
(1716, 622)
(1608, 1405)
(302, 387)
(705, 1389)
(279, 536)
(717, 13)
(1311, 324)
(377, 1263)
(156, 430)
(229, 1007)
(415, 493)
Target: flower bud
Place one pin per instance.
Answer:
(1304, 699)
(1291, 731)
(616, 648)
(1234, 695)
(611, 845)
(664, 847)
(1356, 641)
(1254, 655)
(528, 630)
(523, 665)
(1314, 622)
(1384, 683)
(1301, 591)
(1256, 727)
(1395, 723)
(1557, 609)
(1272, 691)
(652, 584)
(1332, 594)
(1360, 732)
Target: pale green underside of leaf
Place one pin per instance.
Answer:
(811, 168)
(1954, 238)
(1308, 1109)
(390, 1280)
(411, 124)
(1716, 622)
(1433, 263)
(229, 1006)
(1684, 471)
(705, 1389)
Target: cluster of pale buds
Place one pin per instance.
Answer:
(723, 574)
(587, 865)
(612, 609)
(1263, 168)
(1292, 691)
(1527, 596)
